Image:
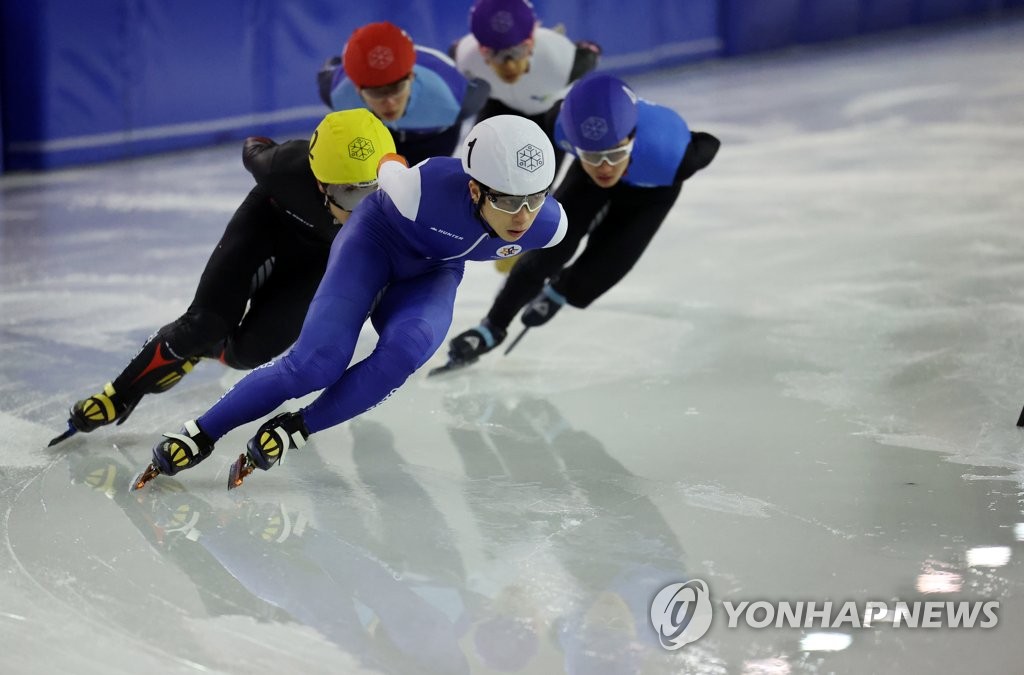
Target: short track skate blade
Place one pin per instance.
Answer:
(1020, 421)
(71, 431)
(146, 475)
(516, 341)
(239, 470)
(449, 367)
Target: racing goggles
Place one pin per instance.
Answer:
(613, 156)
(346, 196)
(388, 90)
(514, 53)
(514, 203)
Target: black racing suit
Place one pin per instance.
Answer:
(253, 295)
(620, 220)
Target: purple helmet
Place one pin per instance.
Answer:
(500, 24)
(598, 112)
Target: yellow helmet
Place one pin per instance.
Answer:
(347, 145)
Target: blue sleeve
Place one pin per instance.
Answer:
(560, 140)
(443, 67)
(432, 103)
(344, 95)
(662, 137)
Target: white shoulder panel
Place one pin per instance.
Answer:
(403, 186)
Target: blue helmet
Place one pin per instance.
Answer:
(598, 112)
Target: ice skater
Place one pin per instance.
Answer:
(529, 68)
(416, 91)
(398, 262)
(632, 158)
(254, 292)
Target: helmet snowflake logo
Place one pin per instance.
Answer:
(594, 128)
(360, 148)
(380, 57)
(530, 157)
(502, 22)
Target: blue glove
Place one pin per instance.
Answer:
(540, 310)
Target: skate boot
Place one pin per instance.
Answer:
(268, 447)
(542, 308)
(176, 452)
(467, 347)
(111, 405)
(99, 409)
(156, 368)
(172, 375)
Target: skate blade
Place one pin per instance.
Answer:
(239, 470)
(449, 367)
(516, 341)
(146, 475)
(71, 431)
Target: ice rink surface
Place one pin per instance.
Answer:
(806, 390)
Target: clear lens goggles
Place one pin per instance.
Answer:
(613, 156)
(388, 90)
(514, 203)
(347, 196)
(514, 53)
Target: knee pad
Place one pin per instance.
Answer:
(410, 343)
(313, 370)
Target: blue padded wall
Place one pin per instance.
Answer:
(106, 79)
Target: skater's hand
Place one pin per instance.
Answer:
(542, 308)
(252, 146)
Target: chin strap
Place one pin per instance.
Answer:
(478, 211)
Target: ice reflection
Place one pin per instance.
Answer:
(939, 582)
(574, 548)
(274, 561)
(988, 556)
(774, 666)
(825, 642)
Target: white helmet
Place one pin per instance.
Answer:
(509, 154)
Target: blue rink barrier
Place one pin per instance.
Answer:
(108, 79)
(757, 25)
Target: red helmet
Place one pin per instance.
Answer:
(378, 54)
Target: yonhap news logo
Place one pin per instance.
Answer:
(681, 613)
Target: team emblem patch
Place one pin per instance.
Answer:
(502, 22)
(380, 57)
(594, 128)
(509, 251)
(360, 148)
(530, 157)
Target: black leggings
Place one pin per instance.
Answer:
(621, 221)
(252, 297)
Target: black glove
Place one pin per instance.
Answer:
(252, 146)
(468, 346)
(540, 310)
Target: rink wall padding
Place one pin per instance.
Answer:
(109, 79)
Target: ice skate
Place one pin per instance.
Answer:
(95, 411)
(177, 451)
(268, 447)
